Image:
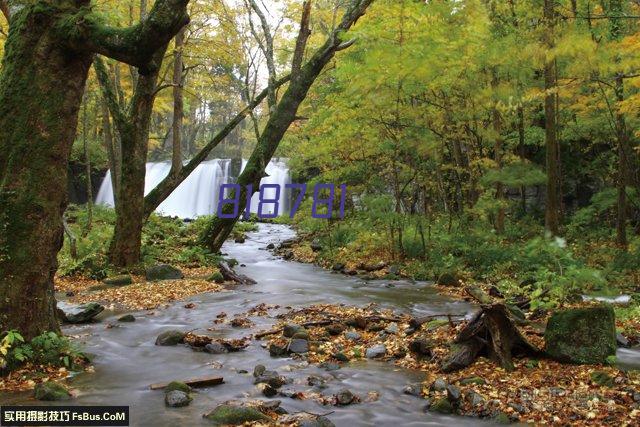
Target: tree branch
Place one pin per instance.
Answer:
(108, 93)
(303, 36)
(135, 45)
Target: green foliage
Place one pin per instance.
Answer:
(48, 348)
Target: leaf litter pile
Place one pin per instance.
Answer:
(537, 391)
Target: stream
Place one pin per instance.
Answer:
(126, 360)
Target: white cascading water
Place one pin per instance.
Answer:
(198, 195)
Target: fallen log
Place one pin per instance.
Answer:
(196, 382)
(229, 274)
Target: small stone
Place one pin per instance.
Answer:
(453, 394)
(352, 336)
(169, 338)
(392, 329)
(376, 351)
(341, 357)
(622, 340)
(302, 335)
(475, 398)
(335, 329)
(316, 246)
(215, 348)
(299, 346)
(51, 391)
(344, 397)
(421, 347)
(441, 406)
(87, 313)
(438, 385)
(375, 327)
(320, 421)
(259, 370)
(239, 239)
(394, 269)
(357, 322)
(276, 350)
(163, 272)
(316, 381)
(329, 366)
(177, 399)
(413, 390)
(291, 329)
(269, 391)
(338, 266)
(127, 318)
(271, 246)
(120, 280)
(272, 378)
(472, 380)
(518, 408)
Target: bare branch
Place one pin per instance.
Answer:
(303, 37)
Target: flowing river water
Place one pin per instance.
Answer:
(127, 361)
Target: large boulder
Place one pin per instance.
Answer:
(163, 272)
(86, 314)
(582, 335)
(234, 415)
(51, 391)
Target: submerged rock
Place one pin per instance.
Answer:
(345, 397)
(582, 335)
(120, 280)
(163, 272)
(169, 338)
(215, 348)
(376, 351)
(51, 391)
(413, 390)
(177, 399)
(127, 318)
(442, 406)
(291, 329)
(272, 378)
(271, 246)
(259, 370)
(234, 415)
(87, 313)
(276, 350)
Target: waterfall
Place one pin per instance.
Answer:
(198, 194)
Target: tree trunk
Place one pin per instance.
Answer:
(178, 104)
(41, 88)
(552, 208)
(87, 162)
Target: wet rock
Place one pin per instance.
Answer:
(602, 378)
(376, 351)
(584, 335)
(316, 246)
(421, 347)
(438, 385)
(240, 371)
(272, 378)
(299, 346)
(335, 329)
(259, 370)
(291, 329)
(271, 246)
(453, 394)
(51, 391)
(234, 415)
(357, 322)
(372, 267)
(168, 338)
(341, 357)
(518, 408)
(338, 266)
(163, 272)
(502, 418)
(288, 255)
(375, 327)
(441, 406)
(216, 277)
(120, 280)
(495, 292)
(177, 399)
(276, 350)
(288, 392)
(392, 329)
(316, 381)
(352, 336)
(622, 340)
(177, 386)
(268, 390)
(329, 366)
(87, 313)
(351, 272)
(472, 380)
(413, 390)
(448, 279)
(127, 318)
(475, 399)
(215, 348)
(344, 397)
(302, 335)
(389, 285)
(240, 239)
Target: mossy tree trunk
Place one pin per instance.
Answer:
(284, 112)
(48, 53)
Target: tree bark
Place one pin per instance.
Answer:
(552, 207)
(47, 58)
(178, 104)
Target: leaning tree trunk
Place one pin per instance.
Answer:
(48, 53)
(41, 88)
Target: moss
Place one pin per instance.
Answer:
(584, 336)
(51, 391)
(441, 406)
(602, 378)
(177, 385)
(448, 278)
(229, 414)
(216, 277)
